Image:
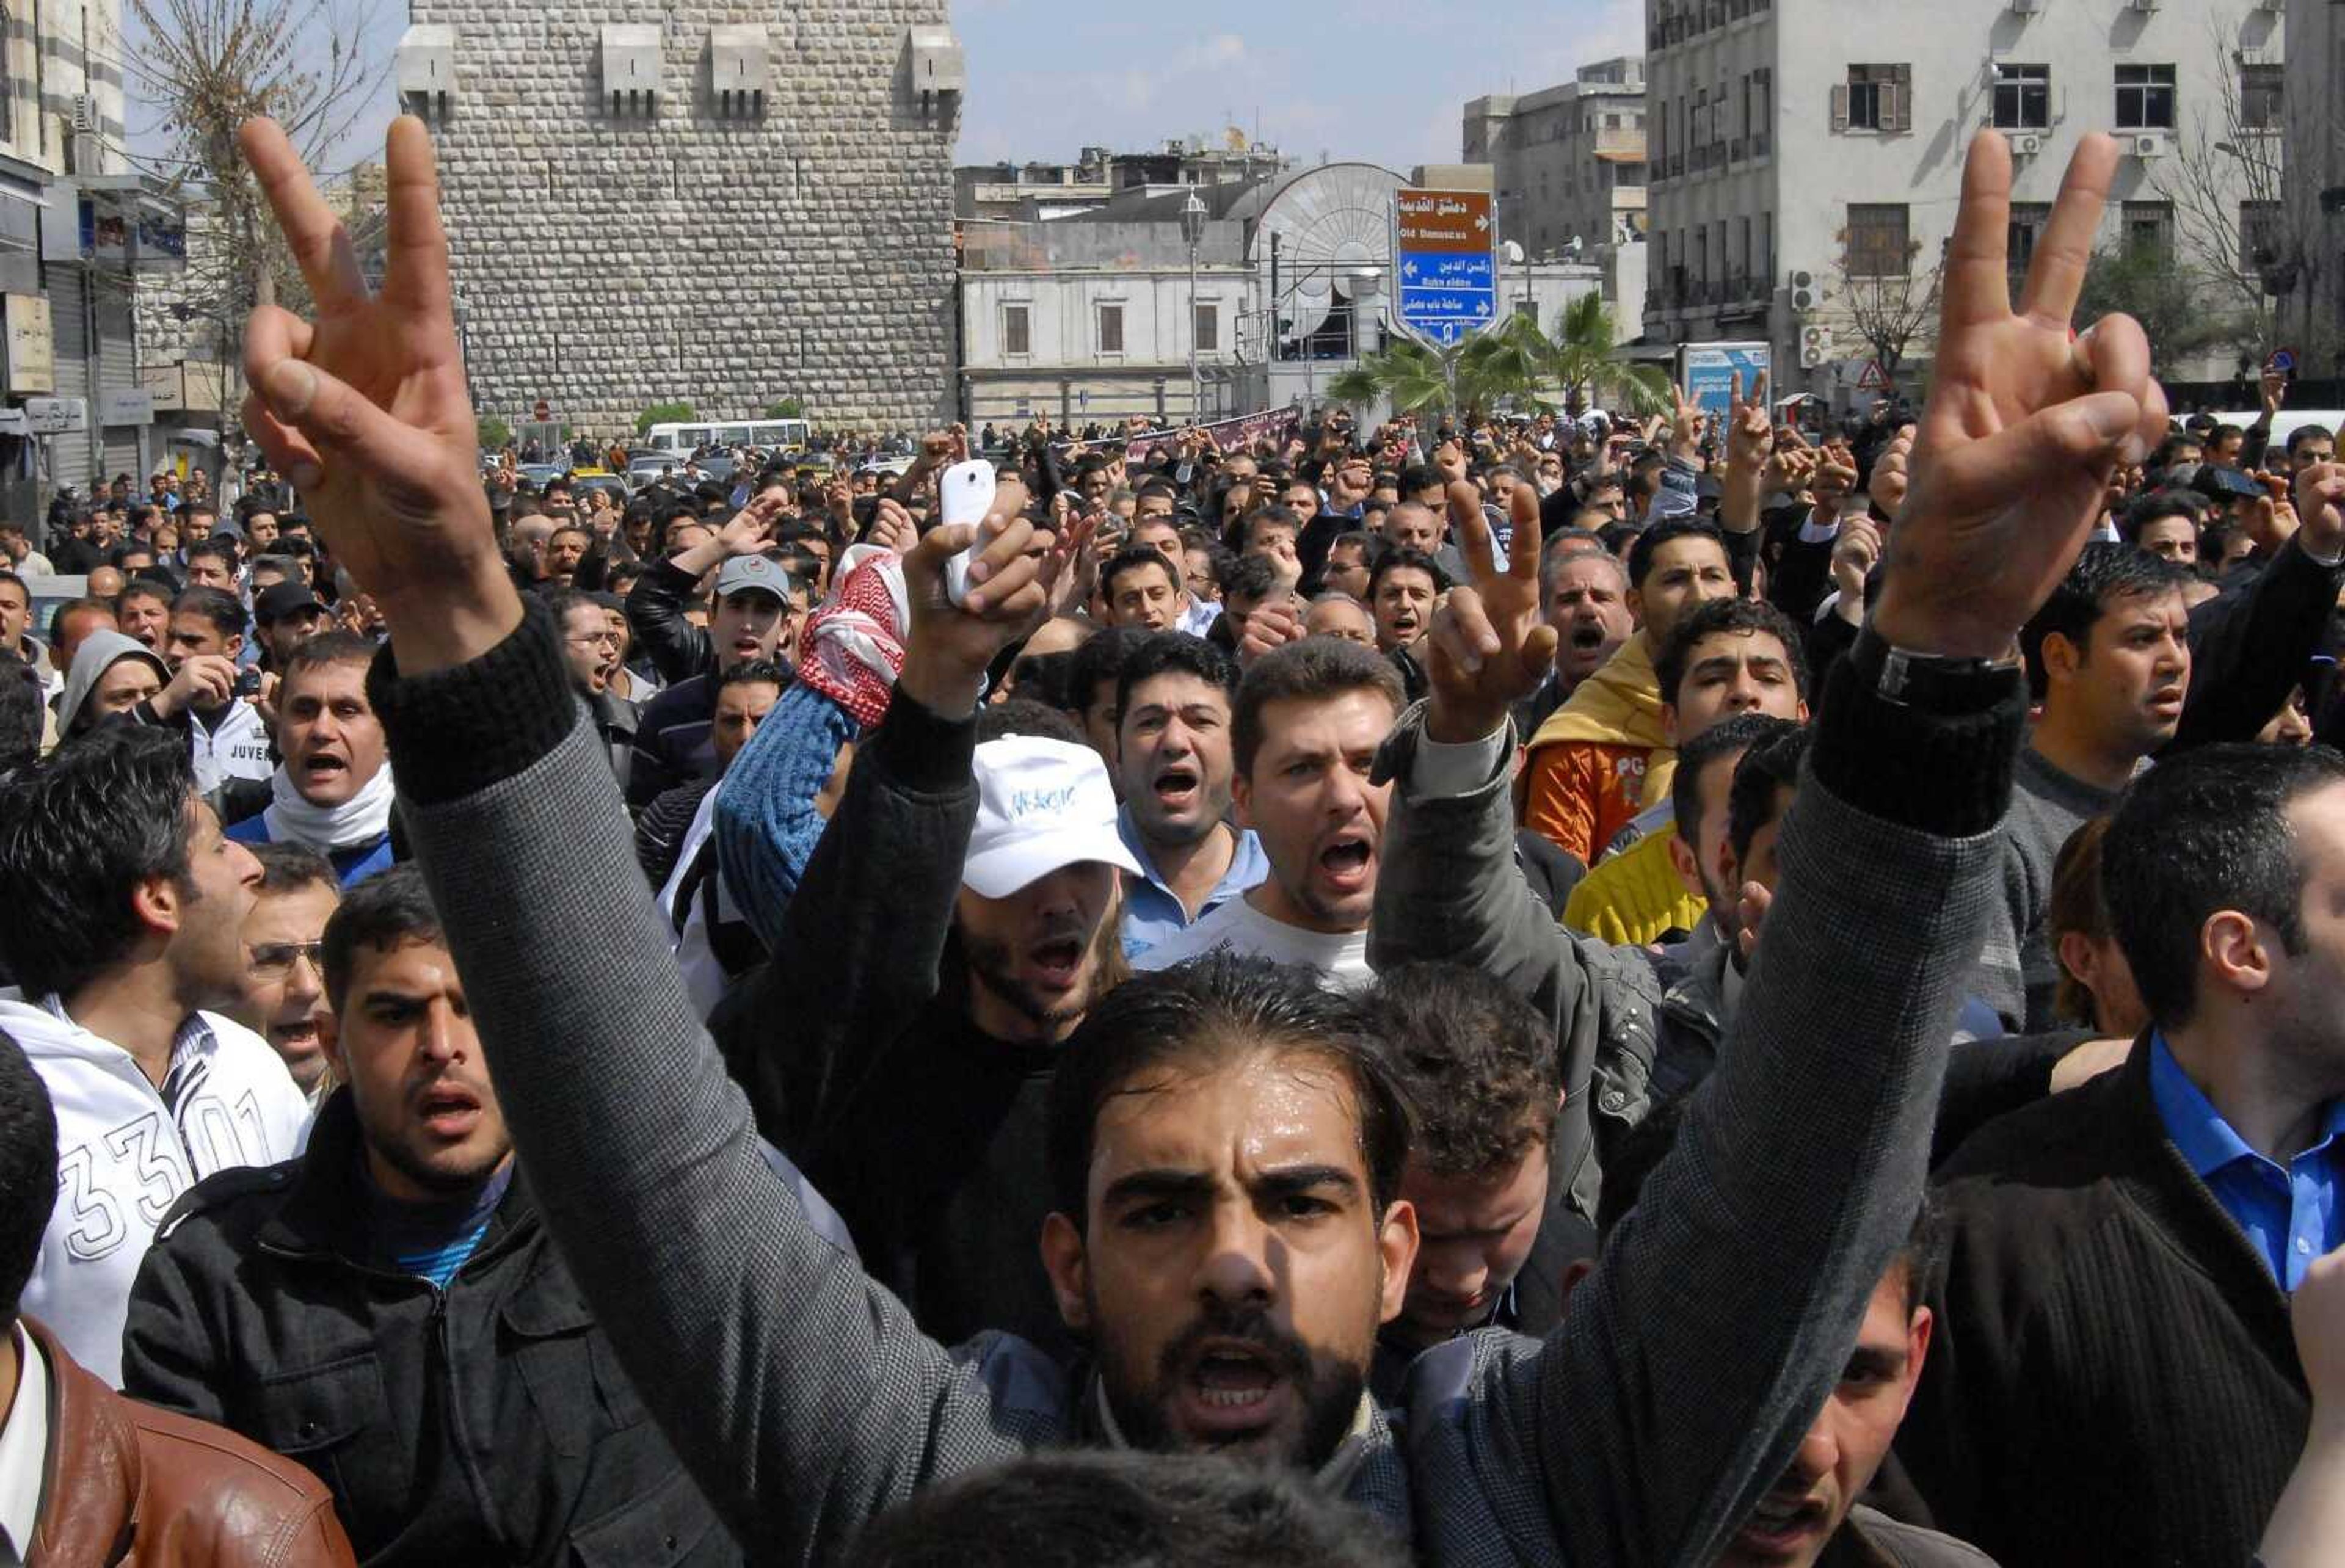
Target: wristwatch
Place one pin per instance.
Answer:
(1934, 682)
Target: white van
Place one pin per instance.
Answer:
(2287, 422)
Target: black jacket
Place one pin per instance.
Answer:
(2114, 1378)
(655, 606)
(487, 1422)
(675, 742)
(861, 1061)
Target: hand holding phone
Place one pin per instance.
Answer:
(965, 496)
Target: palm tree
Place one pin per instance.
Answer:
(1513, 360)
(1406, 373)
(1582, 365)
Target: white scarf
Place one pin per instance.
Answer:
(360, 820)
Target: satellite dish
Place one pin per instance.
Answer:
(1337, 219)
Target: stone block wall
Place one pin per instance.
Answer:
(605, 262)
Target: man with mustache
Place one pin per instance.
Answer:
(333, 790)
(388, 1308)
(1585, 591)
(1173, 762)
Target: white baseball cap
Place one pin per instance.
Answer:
(1042, 805)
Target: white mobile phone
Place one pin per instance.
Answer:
(964, 494)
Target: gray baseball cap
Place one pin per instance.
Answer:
(745, 573)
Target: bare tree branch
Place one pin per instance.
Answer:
(205, 66)
(2252, 234)
(1890, 313)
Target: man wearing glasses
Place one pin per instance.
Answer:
(284, 986)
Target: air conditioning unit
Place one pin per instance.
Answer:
(1805, 292)
(2144, 4)
(1815, 346)
(2027, 7)
(2148, 145)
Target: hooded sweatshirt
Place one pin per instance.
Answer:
(1602, 757)
(127, 1150)
(98, 653)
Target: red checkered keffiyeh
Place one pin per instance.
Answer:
(852, 649)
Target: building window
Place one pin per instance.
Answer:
(2024, 227)
(2149, 228)
(1209, 328)
(1017, 329)
(2145, 97)
(1110, 329)
(1875, 99)
(2023, 98)
(1879, 239)
(2259, 235)
(2261, 97)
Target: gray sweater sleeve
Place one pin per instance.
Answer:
(1448, 890)
(1724, 1307)
(799, 1394)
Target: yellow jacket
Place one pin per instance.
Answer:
(1635, 895)
(1600, 758)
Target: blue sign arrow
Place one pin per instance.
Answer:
(1445, 295)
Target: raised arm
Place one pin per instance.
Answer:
(1447, 887)
(1724, 1307)
(2248, 651)
(655, 606)
(868, 945)
(798, 1394)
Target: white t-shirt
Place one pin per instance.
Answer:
(1238, 925)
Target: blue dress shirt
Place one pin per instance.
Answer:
(2289, 1217)
(1152, 912)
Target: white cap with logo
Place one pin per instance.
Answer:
(1042, 805)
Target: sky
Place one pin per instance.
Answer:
(1377, 80)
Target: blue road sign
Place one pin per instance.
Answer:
(1445, 296)
(1709, 370)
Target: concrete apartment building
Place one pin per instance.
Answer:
(79, 231)
(1092, 315)
(1043, 192)
(1806, 154)
(1568, 162)
(2309, 223)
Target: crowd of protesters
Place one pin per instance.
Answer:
(1564, 988)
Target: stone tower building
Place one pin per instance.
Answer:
(708, 201)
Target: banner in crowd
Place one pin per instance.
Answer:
(1244, 430)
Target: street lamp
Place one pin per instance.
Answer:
(1192, 230)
